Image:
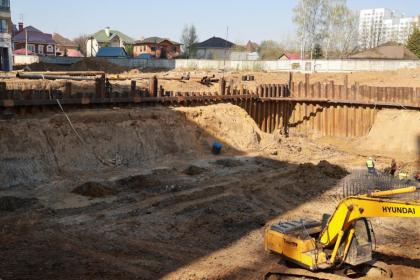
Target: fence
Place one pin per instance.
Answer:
(328, 109)
(324, 109)
(342, 65)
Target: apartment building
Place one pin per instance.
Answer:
(6, 29)
(378, 26)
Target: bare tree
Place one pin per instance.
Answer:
(335, 11)
(343, 30)
(81, 43)
(270, 50)
(310, 16)
(189, 39)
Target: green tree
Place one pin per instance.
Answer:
(189, 39)
(317, 51)
(413, 42)
(270, 50)
(129, 49)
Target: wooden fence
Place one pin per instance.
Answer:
(323, 109)
(327, 109)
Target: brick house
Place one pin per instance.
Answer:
(66, 47)
(37, 42)
(157, 47)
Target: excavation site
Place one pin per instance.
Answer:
(164, 175)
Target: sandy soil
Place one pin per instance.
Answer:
(144, 198)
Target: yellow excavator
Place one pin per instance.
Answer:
(343, 239)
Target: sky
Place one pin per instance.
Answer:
(245, 19)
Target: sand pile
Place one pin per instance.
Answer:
(230, 124)
(395, 132)
(34, 150)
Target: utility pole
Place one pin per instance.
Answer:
(224, 60)
(26, 42)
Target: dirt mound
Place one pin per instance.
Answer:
(324, 168)
(94, 190)
(36, 149)
(11, 204)
(138, 182)
(395, 132)
(193, 170)
(97, 64)
(230, 124)
(41, 66)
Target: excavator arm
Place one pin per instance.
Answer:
(341, 224)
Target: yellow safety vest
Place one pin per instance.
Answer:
(370, 164)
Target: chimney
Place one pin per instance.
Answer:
(107, 31)
(20, 26)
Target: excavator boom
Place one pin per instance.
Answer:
(358, 207)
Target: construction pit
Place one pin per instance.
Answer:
(134, 192)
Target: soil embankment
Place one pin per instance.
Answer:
(142, 197)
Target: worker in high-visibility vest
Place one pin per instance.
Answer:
(370, 164)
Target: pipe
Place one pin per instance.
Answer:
(66, 73)
(52, 77)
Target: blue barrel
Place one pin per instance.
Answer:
(217, 148)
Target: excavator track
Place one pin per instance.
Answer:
(302, 274)
(374, 269)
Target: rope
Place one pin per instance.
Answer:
(104, 162)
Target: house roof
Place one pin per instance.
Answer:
(101, 36)
(22, 52)
(156, 40)
(216, 43)
(74, 53)
(291, 56)
(63, 41)
(389, 50)
(111, 52)
(34, 36)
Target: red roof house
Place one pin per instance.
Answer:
(290, 56)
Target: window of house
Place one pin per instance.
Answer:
(31, 48)
(153, 49)
(41, 49)
(3, 26)
(50, 48)
(4, 4)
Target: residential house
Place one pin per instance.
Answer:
(66, 47)
(6, 29)
(107, 38)
(34, 40)
(252, 47)
(214, 48)
(111, 52)
(157, 47)
(390, 50)
(289, 56)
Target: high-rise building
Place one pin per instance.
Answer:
(378, 26)
(6, 28)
